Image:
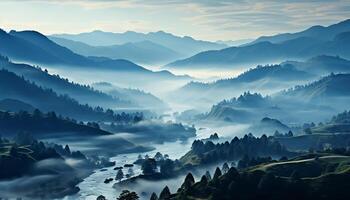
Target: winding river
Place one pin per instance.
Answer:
(94, 185)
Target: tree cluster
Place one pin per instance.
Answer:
(237, 148)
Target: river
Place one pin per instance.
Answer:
(94, 185)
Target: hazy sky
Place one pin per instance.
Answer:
(202, 19)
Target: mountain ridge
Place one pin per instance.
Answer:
(302, 46)
(176, 43)
(142, 52)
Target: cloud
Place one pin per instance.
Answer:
(213, 19)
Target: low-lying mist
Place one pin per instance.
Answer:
(50, 178)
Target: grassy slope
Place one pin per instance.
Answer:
(308, 168)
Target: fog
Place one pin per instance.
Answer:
(200, 105)
(157, 84)
(45, 180)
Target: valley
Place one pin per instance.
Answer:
(95, 113)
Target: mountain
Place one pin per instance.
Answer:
(332, 86)
(83, 93)
(267, 79)
(15, 87)
(256, 53)
(325, 96)
(302, 47)
(142, 52)
(322, 65)
(40, 49)
(44, 125)
(261, 78)
(319, 32)
(185, 45)
(268, 126)
(239, 109)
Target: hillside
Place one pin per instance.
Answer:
(322, 65)
(83, 93)
(265, 51)
(331, 134)
(339, 123)
(334, 85)
(32, 169)
(13, 105)
(281, 72)
(44, 125)
(313, 177)
(142, 52)
(15, 87)
(268, 78)
(241, 109)
(268, 126)
(184, 45)
(325, 96)
(63, 130)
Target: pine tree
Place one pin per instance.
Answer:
(217, 174)
(189, 181)
(127, 195)
(225, 168)
(154, 196)
(165, 194)
(207, 174)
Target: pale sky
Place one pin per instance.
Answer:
(201, 19)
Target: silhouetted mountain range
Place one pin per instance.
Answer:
(142, 52)
(332, 40)
(83, 93)
(33, 46)
(317, 32)
(186, 46)
(15, 87)
(270, 78)
(325, 96)
(39, 49)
